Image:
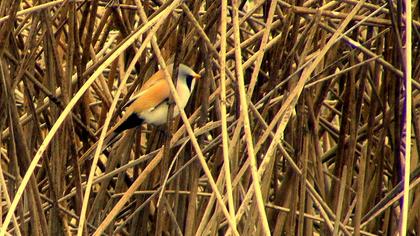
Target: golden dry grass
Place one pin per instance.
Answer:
(298, 126)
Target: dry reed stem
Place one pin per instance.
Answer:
(340, 200)
(318, 115)
(105, 132)
(246, 123)
(8, 202)
(63, 115)
(408, 97)
(225, 137)
(195, 144)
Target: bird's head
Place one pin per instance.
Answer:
(187, 75)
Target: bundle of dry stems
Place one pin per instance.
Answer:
(298, 126)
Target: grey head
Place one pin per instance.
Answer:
(187, 74)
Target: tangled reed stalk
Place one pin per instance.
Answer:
(298, 126)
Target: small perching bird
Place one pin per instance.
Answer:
(151, 103)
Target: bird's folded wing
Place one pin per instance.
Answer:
(151, 97)
(158, 76)
(147, 99)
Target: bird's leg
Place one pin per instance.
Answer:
(170, 103)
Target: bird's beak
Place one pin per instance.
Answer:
(197, 76)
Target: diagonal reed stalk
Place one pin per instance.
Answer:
(300, 125)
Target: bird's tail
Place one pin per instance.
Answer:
(128, 121)
(109, 139)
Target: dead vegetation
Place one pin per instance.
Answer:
(297, 127)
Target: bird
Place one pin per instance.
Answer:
(151, 103)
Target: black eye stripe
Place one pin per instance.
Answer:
(189, 80)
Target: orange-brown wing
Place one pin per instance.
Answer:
(156, 77)
(146, 100)
(150, 97)
(152, 80)
(160, 75)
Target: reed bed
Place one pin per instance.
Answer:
(298, 125)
